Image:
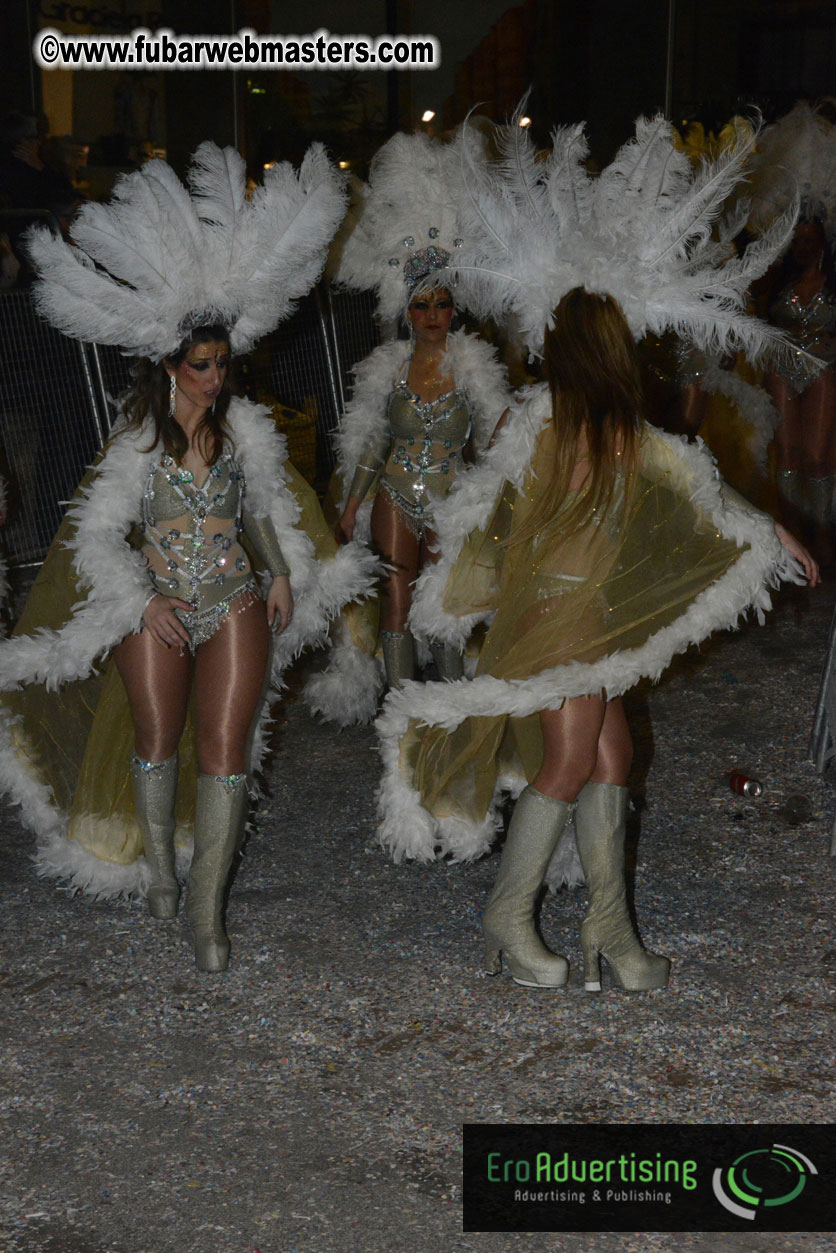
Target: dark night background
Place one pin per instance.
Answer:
(605, 62)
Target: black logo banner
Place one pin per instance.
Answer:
(649, 1177)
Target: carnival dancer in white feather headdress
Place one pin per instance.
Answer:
(420, 411)
(595, 546)
(796, 156)
(156, 562)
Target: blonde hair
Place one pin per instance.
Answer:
(594, 375)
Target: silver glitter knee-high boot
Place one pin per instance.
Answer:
(219, 819)
(155, 789)
(398, 657)
(537, 824)
(794, 507)
(607, 930)
(821, 515)
(448, 661)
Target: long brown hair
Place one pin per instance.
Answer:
(594, 375)
(148, 396)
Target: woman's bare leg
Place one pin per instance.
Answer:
(156, 680)
(447, 657)
(789, 454)
(588, 738)
(588, 753)
(615, 746)
(396, 544)
(399, 548)
(817, 419)
(228, 678)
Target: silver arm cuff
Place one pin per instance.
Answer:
(262, 535)
(363, 478)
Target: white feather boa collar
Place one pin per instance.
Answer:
(115, 577)
(471, 362)
(406, 829)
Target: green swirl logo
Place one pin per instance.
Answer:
(762, 1178)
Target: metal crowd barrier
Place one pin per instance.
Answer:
(56, 393)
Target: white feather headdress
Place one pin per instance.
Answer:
(403, 227)
(647, 231)
(795, 156)
(159, 260)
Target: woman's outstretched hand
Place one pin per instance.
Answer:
(279, 603)
(162, 623)
(797, 550)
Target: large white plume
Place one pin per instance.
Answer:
(160, 259)
(647, 231)
(407, 207)
(795, 157)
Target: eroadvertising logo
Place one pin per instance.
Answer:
(649, 1177)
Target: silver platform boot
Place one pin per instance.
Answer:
(607, 930)
(398, 657)
(219, 823)
(537, 824)
(448, 661)
(155, 790)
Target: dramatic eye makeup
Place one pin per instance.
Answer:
(203, 363)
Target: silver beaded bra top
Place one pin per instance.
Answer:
(190, 533)
(427, 439)
(811, 326)
(808, 323)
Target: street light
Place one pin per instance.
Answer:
(525, 121)
(428, 115)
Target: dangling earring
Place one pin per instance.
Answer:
(411, 333)
(172, 393)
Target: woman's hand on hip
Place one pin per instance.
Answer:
(162, 623)
(279, 603)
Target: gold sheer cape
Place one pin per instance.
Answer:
(574, 615)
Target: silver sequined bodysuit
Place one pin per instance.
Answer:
(191, 542)
(811, 326)
(420, 452)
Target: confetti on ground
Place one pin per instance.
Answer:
(312, 1098)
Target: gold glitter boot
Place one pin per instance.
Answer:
(537, 824)
(607, 931)
(155, 788)
(219, 820)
